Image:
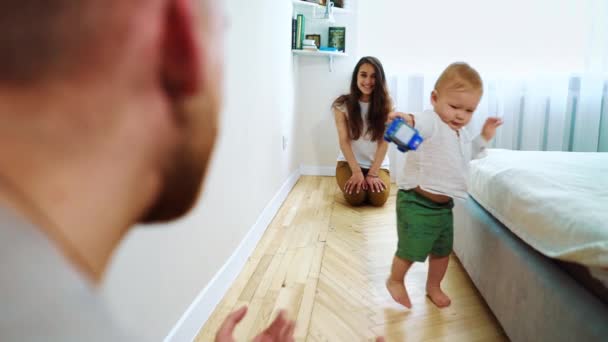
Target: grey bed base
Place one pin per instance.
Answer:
(532, 298)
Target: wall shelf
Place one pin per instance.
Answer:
(317, 7)
(329, 54)
(320, 21)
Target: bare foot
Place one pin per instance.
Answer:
(438, 297)
(398, 292)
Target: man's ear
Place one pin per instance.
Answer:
(181, 64)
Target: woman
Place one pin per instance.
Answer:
(362, 169)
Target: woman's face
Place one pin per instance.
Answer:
(366, 80)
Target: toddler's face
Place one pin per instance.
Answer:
(455, 107)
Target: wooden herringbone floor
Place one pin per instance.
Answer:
(326, 263)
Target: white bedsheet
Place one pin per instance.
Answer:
(557, 202)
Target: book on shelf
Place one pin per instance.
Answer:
(309, 45)
(300, 29)
(294, 25)
(309, 42)
(337, 38)
(338, 3)
(315, 37)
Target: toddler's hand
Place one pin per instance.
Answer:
(489, 128)
(409, 118)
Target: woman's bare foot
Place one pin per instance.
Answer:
(398, 292)
(438, 297)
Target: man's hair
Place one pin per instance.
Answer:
(41, 38)
(459, 76)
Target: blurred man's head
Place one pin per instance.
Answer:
(137, 82)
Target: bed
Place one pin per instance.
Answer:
(533, 237)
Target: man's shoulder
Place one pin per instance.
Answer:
(43, 297)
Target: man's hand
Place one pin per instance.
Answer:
(224, 334)
(489, 127)
(280, 330)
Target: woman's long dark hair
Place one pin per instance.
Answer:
(379, 107)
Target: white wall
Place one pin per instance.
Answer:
(158, 271)
(516, 36)
(316, 137)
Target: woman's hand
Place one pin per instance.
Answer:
(355, 183)
(408, 118)
(374, 183)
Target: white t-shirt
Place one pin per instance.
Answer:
(440, 165)
(42, 297)
(363, 148)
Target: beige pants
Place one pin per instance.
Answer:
(377, 199)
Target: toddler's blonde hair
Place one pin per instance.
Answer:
(459, 76)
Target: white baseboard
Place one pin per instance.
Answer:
(310, 170)
(199, 311)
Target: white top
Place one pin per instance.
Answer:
(440, 164)
(555, 201)
(42, 297)
(363, 148)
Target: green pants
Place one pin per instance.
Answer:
(424, 227)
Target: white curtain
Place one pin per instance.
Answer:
(547, 113)
(544, 64)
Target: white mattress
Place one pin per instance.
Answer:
(557, 202)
